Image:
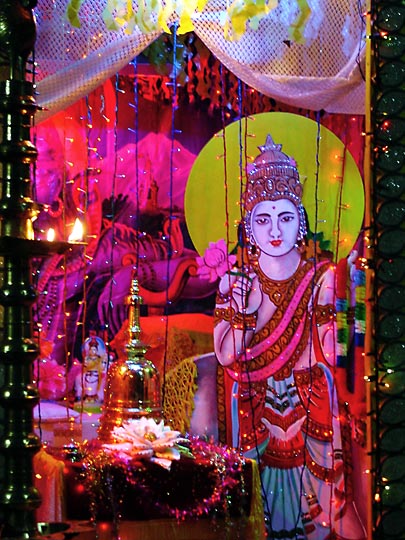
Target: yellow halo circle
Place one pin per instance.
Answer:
(333, 188)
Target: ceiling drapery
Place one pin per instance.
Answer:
(318, 67)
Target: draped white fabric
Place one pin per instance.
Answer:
(323, 72)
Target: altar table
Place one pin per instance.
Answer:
(65, 499)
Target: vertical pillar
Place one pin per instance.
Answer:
(388, 231)
(18, 443)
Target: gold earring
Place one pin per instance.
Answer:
(253, 253)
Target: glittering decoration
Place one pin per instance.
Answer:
(207, 478)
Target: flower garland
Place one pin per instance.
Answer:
(347, 315)
(359, 280)
(156, 15)
(342, 304)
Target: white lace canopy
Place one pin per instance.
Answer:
(323, 72)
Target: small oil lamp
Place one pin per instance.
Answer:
(133, 383)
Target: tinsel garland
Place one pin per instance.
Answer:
(108, 480)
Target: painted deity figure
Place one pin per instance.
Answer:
(275, 336)
(90, 383)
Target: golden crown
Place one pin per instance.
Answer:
(272, 176)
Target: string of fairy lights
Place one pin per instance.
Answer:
(243, 135)
(83, 187)
(311, 362)
(168, 236)
(112, 213)
(135, 130)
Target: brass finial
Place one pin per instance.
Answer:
(133, 383)
(134, 345)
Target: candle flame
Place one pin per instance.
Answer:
(77, 232)
(50, 235)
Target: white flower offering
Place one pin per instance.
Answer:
(144, 438)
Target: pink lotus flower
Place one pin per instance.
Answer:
(216, 261)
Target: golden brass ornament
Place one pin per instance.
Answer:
(133, 383)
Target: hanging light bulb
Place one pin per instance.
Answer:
(133, 384)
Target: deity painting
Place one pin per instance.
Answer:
(275, 336)
(90, 382)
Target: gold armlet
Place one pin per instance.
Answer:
(239, 321)
(222, 298)
(244, 321)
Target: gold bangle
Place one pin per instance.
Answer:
(238, 320)
(223, 314)
(244, 321)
